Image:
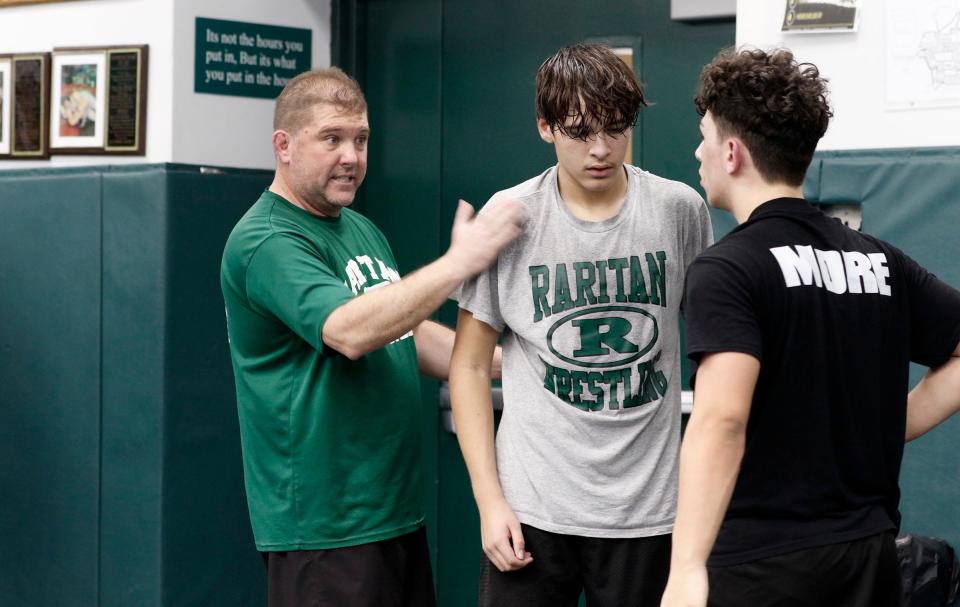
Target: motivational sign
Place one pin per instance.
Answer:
(248, 59)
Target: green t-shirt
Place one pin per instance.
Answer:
(331, 447)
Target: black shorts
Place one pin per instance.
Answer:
(612, 572)
(861, 573)
(389, 573)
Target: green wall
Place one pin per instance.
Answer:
(50, 388)
(122, 482)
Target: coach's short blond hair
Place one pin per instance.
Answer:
(330, 85)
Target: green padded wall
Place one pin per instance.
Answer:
(122, 479)
(208, 556)
(49, 387)
(133, 234)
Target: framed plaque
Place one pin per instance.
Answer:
(126, 100)
(6, 87)
(28, 130)
(99, 100)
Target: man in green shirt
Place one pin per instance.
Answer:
(326, 341)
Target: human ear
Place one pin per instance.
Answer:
(546, 132)
(281, 145)
(734, 155)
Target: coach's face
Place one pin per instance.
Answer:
(326, 159)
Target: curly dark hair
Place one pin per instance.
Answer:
(586, 89)
(778, 107)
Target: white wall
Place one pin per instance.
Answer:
(182, 126)
(234, 131)
(41, 27)
(855, 64)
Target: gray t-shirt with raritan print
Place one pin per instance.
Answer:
(589, 439)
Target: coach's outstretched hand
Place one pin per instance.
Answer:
(477, 239)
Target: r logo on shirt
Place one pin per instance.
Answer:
(603, 338)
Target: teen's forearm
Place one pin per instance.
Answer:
(472, 403)
(935, 398)
(473, 417)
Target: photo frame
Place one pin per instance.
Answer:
(78, 93)
(6, 99)
(30, 78)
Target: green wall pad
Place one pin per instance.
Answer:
(910, 198)
(122, 480)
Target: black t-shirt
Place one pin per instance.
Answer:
(834, 316)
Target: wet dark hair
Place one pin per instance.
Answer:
(329, 85)
(586, 89)
(778, 107)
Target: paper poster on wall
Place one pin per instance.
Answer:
(822, 16)
(923, 54)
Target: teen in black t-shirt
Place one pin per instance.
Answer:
(803, 331)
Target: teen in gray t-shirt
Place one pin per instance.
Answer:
(588, 442)
(579, 491)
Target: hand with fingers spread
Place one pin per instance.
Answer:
(477, 239)
(502, 537)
